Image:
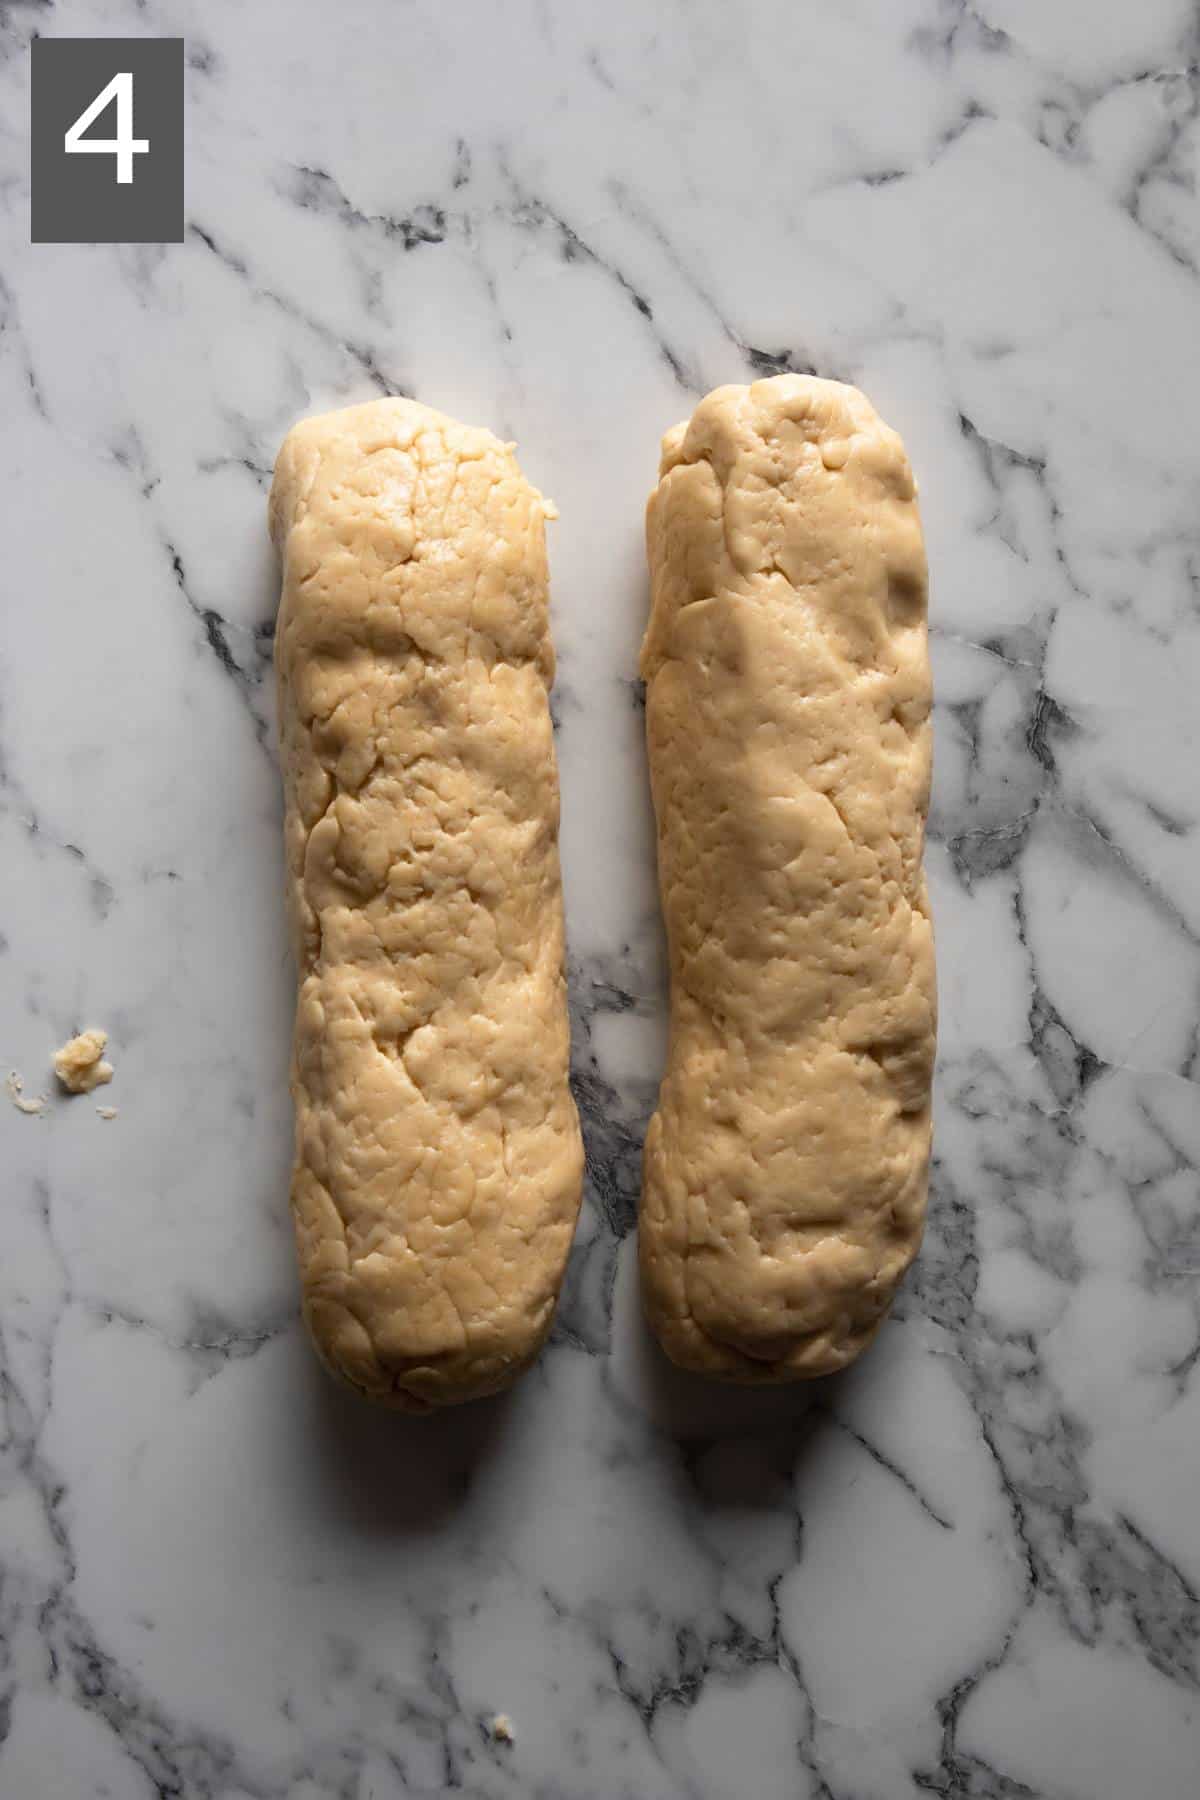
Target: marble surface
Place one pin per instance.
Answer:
(971, 1567)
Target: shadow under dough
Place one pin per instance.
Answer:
(389, 1473)
(742, 1447)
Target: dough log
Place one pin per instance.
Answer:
(788, 716)
(438, 1161)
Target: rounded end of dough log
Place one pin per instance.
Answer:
(791, 1358)
(411, 1385)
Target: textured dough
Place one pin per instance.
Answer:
(78, 1064)
(787, 702)
(438, 1160)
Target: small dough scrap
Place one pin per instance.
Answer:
(78, 1064)
(502, 1729)
(438, 1166)
(31, 1107)
(788, 717)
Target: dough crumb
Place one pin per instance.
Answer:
(107, 1112)
(31, 1106)
(78, 1065)
(502, 1729)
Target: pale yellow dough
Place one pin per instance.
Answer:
(79, 1065)
(788, 709)
(438, 1160)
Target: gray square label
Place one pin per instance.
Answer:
(117, 179)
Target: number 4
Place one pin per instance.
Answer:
(124, 146)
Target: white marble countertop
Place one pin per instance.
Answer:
(971, 1567)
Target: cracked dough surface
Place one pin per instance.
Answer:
(438, 1160)
(788, 718)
